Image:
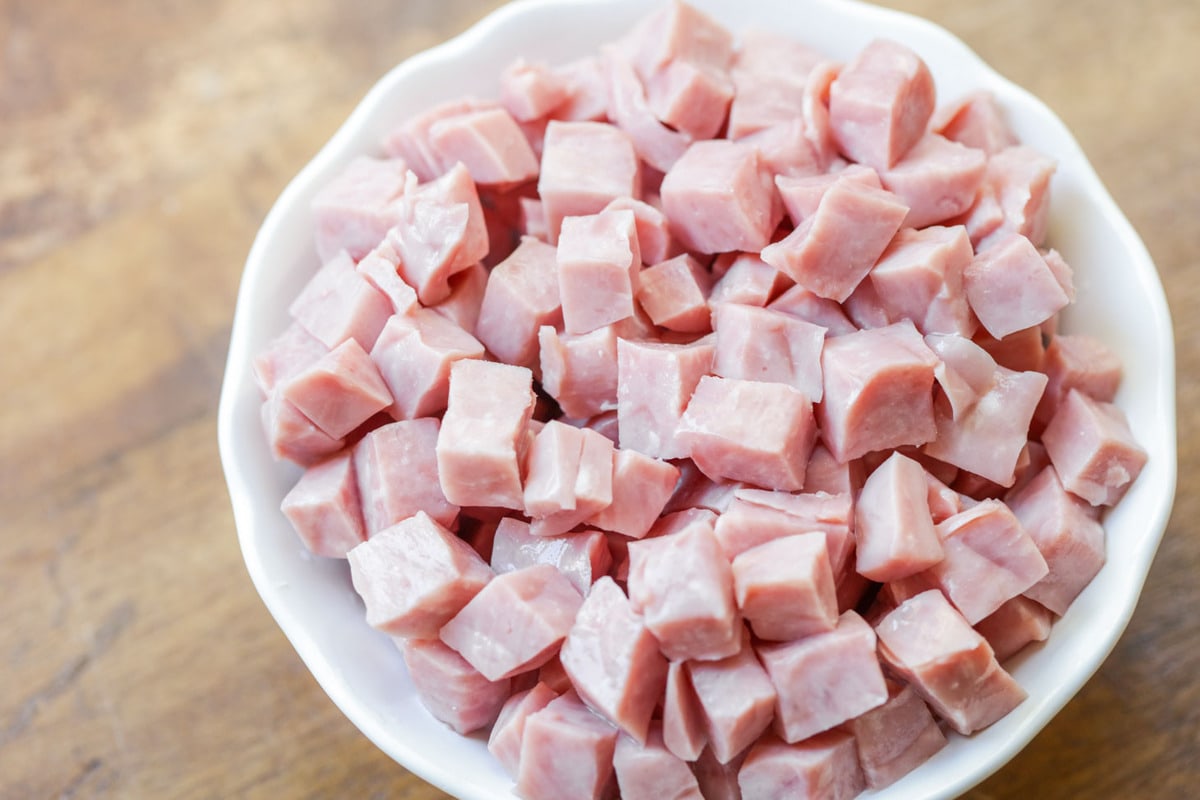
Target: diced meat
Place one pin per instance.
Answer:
(488, 142)
(975, 120)
(747, 280)
(593, 487)
(937, 179)
(338, 304)
(466, 297)
(397, 473)
(683, 585)
(825, 767)
(339, 391)
(768, 76)
(654, 383)
(650, 771)
(893, 526)
(865, 308)
(551, 468)
(1012, 626)
(1092, 449)
(580, 370)
(504, 741)
(1018, 178)
(1078, 361)
(457, 187)
(803, 304)
(530, 90)
(414, 353)
(695, 490)
(678, 32)
(293, 436)
(653, 231)
(766, 345)
(450, 688)
(381, 269)
(613, 660)
(585, 166)
(690, 97)
(785, 587)
(1021, 351)
(410, 140)
(641, 486)
(786, 149)
(826, 474)
(324, 508)
(756, 516)
(966, 374)
(655, 143)
(736, 698)
(587, 91)
(288, 353)
(825, 679)
(597, 259)
(566, 751)
(482, 441)
(802, 194)
(920, 277)
(354, 211)
(896, 737)
(683, 722)
(674, 294)
(1010, 286)
(930, 645)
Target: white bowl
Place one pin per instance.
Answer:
(1120, 300)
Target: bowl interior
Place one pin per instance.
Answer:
(1120, 300)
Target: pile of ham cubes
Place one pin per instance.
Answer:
(695, 415)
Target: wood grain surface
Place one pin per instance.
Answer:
(141, 145)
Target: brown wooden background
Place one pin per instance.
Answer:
(141, 144)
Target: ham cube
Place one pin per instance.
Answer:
(515, 623)
(582, 557)
(802, 194)
(966, 374)
(1078, 362)
(288, 353)
(466, 297)
(521, 296)
(597, 259)
(825, 474)
(650, 771)
(1010, 287)
(566, 751)
(488, 142)
(339, 391)
(803, 304)
(654, 384)
(736, 698)
(785, 587)
(655, 143)
(786, 149)
(696, 491)
(482, 441)
(674, 294)
(593, 487)
(414, 353)
(678, 32)
(354, 211)
(551, 468)
(832, 250)
(653, 231)
(641, 487)
(893, 525)
(896, 737)
(397, 473)
(454, 188)
(756, 516)
(450, 688)
(880, 104)
(338, 304)
(585, 166)
(825, 679)
(1018, 181)
(579, 370)
(1092, 449)
(1014, 625)
(411, 140)
(768, 75)
(825, 766)
(719, 196)
(530, 90)
(759, 344)
(381, 269)
(587, 91)
(504, 741)
(683, 585)
(760, 433)
(324, 508)
(415, 576)
(1066, 534)
(683, 722)
(877, 391)
(293, 436)
(975, 120)
(920, 276)
(613, 660)
(928, 644)
(690, 98)
(747, 280)
(937, 179)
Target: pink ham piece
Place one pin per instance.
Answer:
(450, 688)
(865, 308)
(689, 97)
(654, 383)
(613, 661)
(641, 486)
(381, 269)
(756, 516)
(975, 120)
(521, 296)
(683, 723)
(551, 467)
(414, 353)
(397, 473)
(937, 179)
(504, 741)
(593, 487)
(920, 277)
(1092, 449)
(324, 508)
(566, 751)
(415, 576)
(488, 142)
(786, 149)
(928, 644)
(339, 391)
(696, 491)
(880, 104)
(579, 370)
(587, 91)
(746, 279)
(597, 259)
(354, 211)
(832, 250)
(1012, 626)
(457, 187)
(719, 196)
(802, 195)
(825, 766)
(581, 557)
(293, 436)
(1078, 361)
(674, 294)
(530, 90)
(825, 679)
(466, 297)
(338, 304)
(768, 75)
(482, 441)
(877, 391)
(785, 587)
(683, 586)
(656, 144)
(966, 374)
(515, 623)
(585, 166)
(650, 771)
(1066, 534)
(772, 451)
(285, 355)
(896, 737)
(410, 140)
(826, 474)
(736, 698)
(1018, 182)
(759, 344)
(803, 304)
(1010, 287)
(893, 525)
(653, 231)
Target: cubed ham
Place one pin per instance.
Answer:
(966, 373)
(585, 166)
(293, 436)
(579, 370)
(339, 391)
(654, 384)
(689, 97)
(678, 32)
(582, 557)
(920, 277)
(324, 508)
(466, 297)
(414, 353)
(415, 576)
(1022, 351)
(597, 259)
(397, 472)
(338, 304)
(818, 122)
(530, 90)
(880, 104)
(927, 643)
(566, 751)
(504, 741)
(736, 698)
(593, 487)
(785, 587)
(1092, 449)
(683, 723)
(803, 304)
(937, 179)
(613, 660)
(893, 526)
(824, 679)
(1018, 180)
(641, 486)
(653, 231)
(288, 353)
(786, 149)
(975, 120)
(896, 737)
(683, 585)
(587, 91)
(410, 140)
(656, 144)
(482, 441)
(551, 467)
(696, 491)
(488, 142)
(756, 516)
(1078, 361)
(450, 688)
(354, 211)
(719, 196)
(877, 391)
(768, 75)
(826, 474)
(674, 294)
(650, 771)
(1012, 626)
(381, 269)
(747, 280)
(802, 194)
(761, 344)
(824, 766)
(515, 623)
(1010, 286)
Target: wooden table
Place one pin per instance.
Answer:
(141, 144)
